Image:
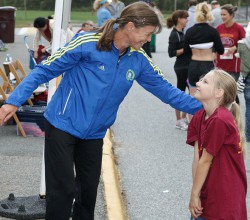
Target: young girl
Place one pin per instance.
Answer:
(219, 175)
(175, 49)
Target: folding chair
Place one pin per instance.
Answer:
(17, 69)
(5, 90)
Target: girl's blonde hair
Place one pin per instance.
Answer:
(140, 13)
(203, 13)
(225, 81)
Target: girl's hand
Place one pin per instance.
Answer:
(6, 111)
(195, 206)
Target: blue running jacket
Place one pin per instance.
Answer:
(94, 84)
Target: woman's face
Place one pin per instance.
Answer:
(183, 21)
(139, 36)
(225, 16)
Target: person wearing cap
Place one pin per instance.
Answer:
(216, 11)
(244, 54)
(102, 12)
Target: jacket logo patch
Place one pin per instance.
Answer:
(130, 75)
(102, 67)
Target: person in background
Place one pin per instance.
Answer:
(191, 14)
(115, 8)
(162, 19)
(45, 29)
(244, 54)
(230, 33)
(201, 41)
(216, 11)
(146, 46)
(216, 132)
(102, 13)
(157, 11)
(99, 70)
(178, 21)
(86, 26)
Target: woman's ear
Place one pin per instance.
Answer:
(130, 26)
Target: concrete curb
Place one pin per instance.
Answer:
(112, 192)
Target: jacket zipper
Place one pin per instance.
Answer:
(66, 104)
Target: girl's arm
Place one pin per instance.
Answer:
(200, 177)
(195, 160)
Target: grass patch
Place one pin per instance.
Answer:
(26, 18)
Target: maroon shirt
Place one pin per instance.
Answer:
(223, 195)
(229, 38)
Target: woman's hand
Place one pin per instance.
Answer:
(231, 50)
(195, 206)
(6, 112)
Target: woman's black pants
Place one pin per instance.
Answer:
(63, 153)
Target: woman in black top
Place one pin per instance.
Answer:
(201, 41)
(175, 49)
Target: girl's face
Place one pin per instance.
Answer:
(139, 36)
(225, 16)
(183, 21)
(205, 88)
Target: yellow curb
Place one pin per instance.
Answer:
(112, 192)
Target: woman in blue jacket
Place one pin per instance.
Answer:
(100, 68)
